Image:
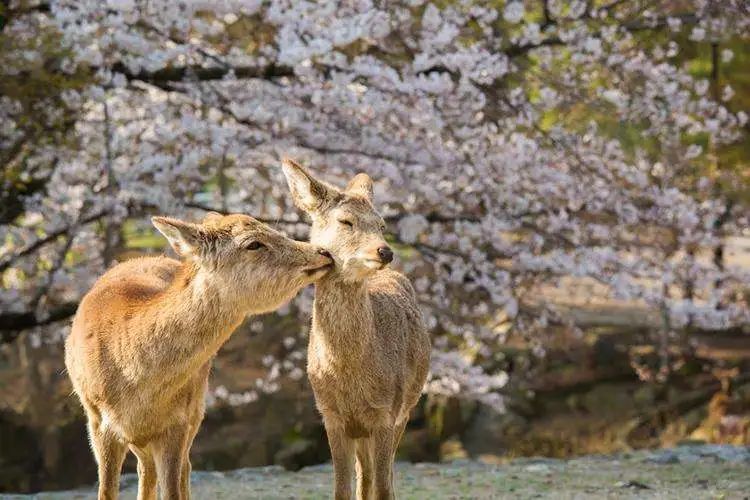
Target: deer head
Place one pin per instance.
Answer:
(343, 221)
(251, 263)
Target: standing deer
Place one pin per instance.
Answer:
(144, 337)
(369, 352)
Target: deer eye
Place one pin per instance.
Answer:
(346, 222)
(254, 245)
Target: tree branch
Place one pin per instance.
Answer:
(47, 239)
(220, 70)
(12, 324)
(164, 76)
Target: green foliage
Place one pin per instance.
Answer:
(138, 237)
(723, 163)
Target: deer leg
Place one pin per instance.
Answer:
(397, 435)
(342, 454)
(169, 455)
(186, 465)
(185, 477)
(364, 469)
(382, 453)
(146, 473)
(109, 452)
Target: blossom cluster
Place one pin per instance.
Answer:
(489, 133)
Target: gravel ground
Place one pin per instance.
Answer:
(686, 472)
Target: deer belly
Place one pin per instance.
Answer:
(147, 411)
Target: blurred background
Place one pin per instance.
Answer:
(566, 183)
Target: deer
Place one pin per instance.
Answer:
(369, 352)
(144, 337)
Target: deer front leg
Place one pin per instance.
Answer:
(186, 465)
(185, 478)
(364, 468)
(197, 410)
(169, 455)
(146, 473)
(383, 454)
(342, 454)
(109, 452)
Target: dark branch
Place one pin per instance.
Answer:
(437, 217)
(12, 324)
(47, 239)
(201, 73)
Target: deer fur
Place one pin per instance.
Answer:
(144, 336)
(369, 352)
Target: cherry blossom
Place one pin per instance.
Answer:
(492, 136)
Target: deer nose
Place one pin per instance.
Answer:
(385, 254)
(325, 253)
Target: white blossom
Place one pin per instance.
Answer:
(487, 187)
(513, 12)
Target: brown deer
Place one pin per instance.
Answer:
(144, 337)
(369, 352)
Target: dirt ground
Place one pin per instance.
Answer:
(687, 472)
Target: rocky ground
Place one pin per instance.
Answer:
(694, 472)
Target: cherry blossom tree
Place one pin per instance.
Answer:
(513, 144)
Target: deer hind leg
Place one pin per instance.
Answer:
(364, 468)
(146, 473)
(169, 456)
(342, 454)
(109, 452)
(383, 454)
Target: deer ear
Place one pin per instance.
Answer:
(360, 185)
(212, 217)
(184, 237)
(308, 193)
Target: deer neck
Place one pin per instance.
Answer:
(342, 314)
(196, 315)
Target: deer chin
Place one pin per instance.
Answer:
(316, 273)
(358, 268)
(374, 264)
(348, 270)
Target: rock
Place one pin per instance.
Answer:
(692, 453)
(632, 484)
(724, 453)
(663, 457)
(318, 468)
(538, 461)
(195, 476)
(537, 468)
(489, 432)
(295, 452)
